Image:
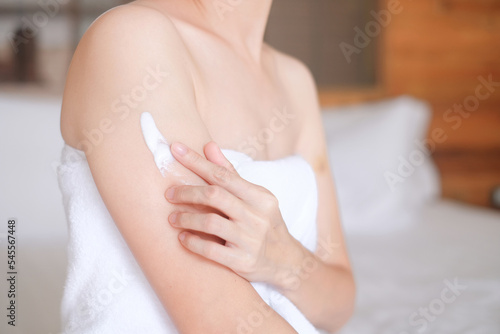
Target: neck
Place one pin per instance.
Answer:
(241, 23)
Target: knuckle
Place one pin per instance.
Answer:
(212, 192)
(270, 201)
(193, 157)
(181, 193)
(248, 264)
(212, 224)
(221, 174)
(266, 193)
(198, 196)
(261, 189)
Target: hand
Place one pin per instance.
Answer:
(257, 242)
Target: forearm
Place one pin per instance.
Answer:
(322, 292)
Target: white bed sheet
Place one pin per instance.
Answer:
(396, 274)
(400, 274)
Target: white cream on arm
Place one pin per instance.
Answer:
(157, 144)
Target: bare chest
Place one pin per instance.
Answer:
(246, 111)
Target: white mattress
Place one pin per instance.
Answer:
(396, 274)
(404, 272)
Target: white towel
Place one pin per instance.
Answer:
(106, 291)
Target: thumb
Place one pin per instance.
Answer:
(214, 154)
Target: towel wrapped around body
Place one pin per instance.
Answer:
(106, 290)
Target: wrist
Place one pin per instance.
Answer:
(290, 272)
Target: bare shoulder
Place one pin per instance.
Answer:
(126, 47)
(130, 14)
(302, 92)
(299, 84)
(295, 74)
(134, 23)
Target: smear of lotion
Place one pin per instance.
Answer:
(163, 157)
(157, 144)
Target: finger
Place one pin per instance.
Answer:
(209, 195)
(208, 249)
(210, 223)
(213, 173)
(214, 154)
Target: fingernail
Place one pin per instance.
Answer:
(182, 236)
(181, 149)
(170, 193)
(173, 218)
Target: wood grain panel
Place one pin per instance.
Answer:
(436, 50)
(479, 131)
(469, 176)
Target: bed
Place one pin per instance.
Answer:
(440, 276)
(422, 264)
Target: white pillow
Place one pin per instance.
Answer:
(382, 175)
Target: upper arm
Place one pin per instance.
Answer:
(110, 83)
(312, 146)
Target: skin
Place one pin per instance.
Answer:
(221, 87)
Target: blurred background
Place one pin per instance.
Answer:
(442, 56)
(434, 50)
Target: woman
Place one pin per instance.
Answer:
(199, 230)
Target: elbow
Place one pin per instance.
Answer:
(348, 298)
(350, 302)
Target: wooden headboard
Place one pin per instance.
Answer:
(442, 51)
